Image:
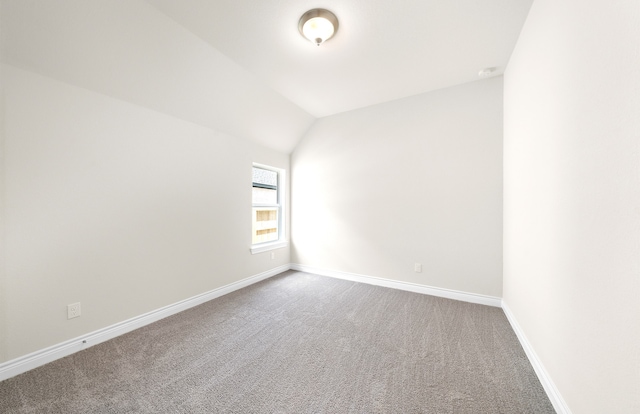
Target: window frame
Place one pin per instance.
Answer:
(281, 203)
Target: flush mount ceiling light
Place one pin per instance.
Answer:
(318, 25)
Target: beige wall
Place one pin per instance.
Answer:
(418, 180)
(572, 198)
(116, 206)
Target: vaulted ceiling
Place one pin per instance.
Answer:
(383, 50)
(241, 67)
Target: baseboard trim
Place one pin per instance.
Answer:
(28, 362)
(411, 287)
(554, 395)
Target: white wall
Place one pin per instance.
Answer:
(125, 166)
(572, 198)
(116, 206)
(415, 180)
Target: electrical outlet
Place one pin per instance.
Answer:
(273, 255)
(417, 268)
(73, 310)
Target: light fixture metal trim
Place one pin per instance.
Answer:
(318, 13)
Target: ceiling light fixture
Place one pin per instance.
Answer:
(318, 25)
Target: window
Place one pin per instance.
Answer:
(267, 230)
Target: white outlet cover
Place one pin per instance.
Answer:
(73, 310)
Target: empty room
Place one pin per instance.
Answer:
(233, 206)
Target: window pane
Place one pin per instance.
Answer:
(264, 225)
(265, 196)
(266, 208)
(265, 177)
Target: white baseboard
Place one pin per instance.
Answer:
(25, 363)
(552, 392)
(554, 395)
(411, 287)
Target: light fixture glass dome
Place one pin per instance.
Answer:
(318, 25)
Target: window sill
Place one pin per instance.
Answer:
(265, 247)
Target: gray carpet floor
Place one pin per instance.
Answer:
(297, 343)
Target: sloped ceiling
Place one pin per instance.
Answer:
(240, 66)
(129, 50)
(383, 50)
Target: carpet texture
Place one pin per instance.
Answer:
(297, 343)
